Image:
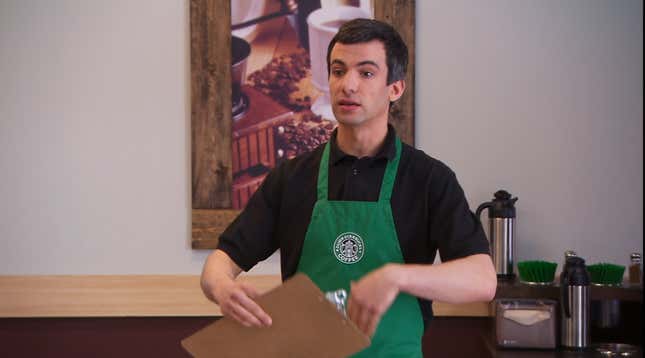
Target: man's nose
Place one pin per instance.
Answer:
(350, 82)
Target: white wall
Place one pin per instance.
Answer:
(95, 140)
(543, 98)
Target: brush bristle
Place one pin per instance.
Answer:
(537, 271)
(606, 274)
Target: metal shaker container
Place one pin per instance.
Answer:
(501, 223)
(575, 304)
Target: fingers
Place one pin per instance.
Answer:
(365, 318)
(363, 313)
(250, 291)
(251, 306)
(243, 316)
(372, 323)
(352, 307)
(242, 308)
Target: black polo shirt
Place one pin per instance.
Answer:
(428, 204)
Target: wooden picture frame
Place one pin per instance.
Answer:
(210, 52)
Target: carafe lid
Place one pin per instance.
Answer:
(503, 206)
(575, 272)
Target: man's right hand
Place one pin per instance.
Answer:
(237, 300)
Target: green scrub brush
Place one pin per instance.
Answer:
(537, 272)
(606, 274)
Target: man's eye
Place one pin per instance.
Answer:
(337, 72)
(368, 74)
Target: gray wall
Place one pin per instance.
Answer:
(543, 98)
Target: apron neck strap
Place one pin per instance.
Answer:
(388, 177)
(390, 173)
(323, 174)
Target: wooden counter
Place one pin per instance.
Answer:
(138, 296)
(106, 316)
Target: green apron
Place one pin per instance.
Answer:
(346, 240)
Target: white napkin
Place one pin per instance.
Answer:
(527, 317)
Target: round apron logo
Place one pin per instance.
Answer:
(348, 248)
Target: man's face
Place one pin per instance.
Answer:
(357, 83)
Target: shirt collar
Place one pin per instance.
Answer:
(387, 151)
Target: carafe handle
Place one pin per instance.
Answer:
(481, 208)
(564, 294)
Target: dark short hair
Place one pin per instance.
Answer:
(365, 30)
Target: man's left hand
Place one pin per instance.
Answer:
(371, 296)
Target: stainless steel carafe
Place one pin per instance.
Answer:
(574, 303)
(501, 224)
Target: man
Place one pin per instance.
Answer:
(363, 212)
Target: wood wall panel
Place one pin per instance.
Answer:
(210, 64)
(401, 15)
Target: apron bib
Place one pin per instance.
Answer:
(345, 241)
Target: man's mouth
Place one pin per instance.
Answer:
(348, 104)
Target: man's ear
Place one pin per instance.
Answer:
(396, 90)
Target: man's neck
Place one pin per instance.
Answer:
(361, 141)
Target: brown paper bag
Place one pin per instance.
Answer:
(305, 324)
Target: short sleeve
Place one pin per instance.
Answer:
(249, 239)
(456, 231)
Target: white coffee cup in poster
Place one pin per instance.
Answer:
(366, 5)
(243, 11)
(322, 25)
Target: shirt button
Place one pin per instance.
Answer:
(355, 171)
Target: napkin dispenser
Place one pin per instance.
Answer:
(525, 323)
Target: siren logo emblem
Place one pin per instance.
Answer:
(349, 248)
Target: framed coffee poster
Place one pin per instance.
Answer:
(259, 93)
